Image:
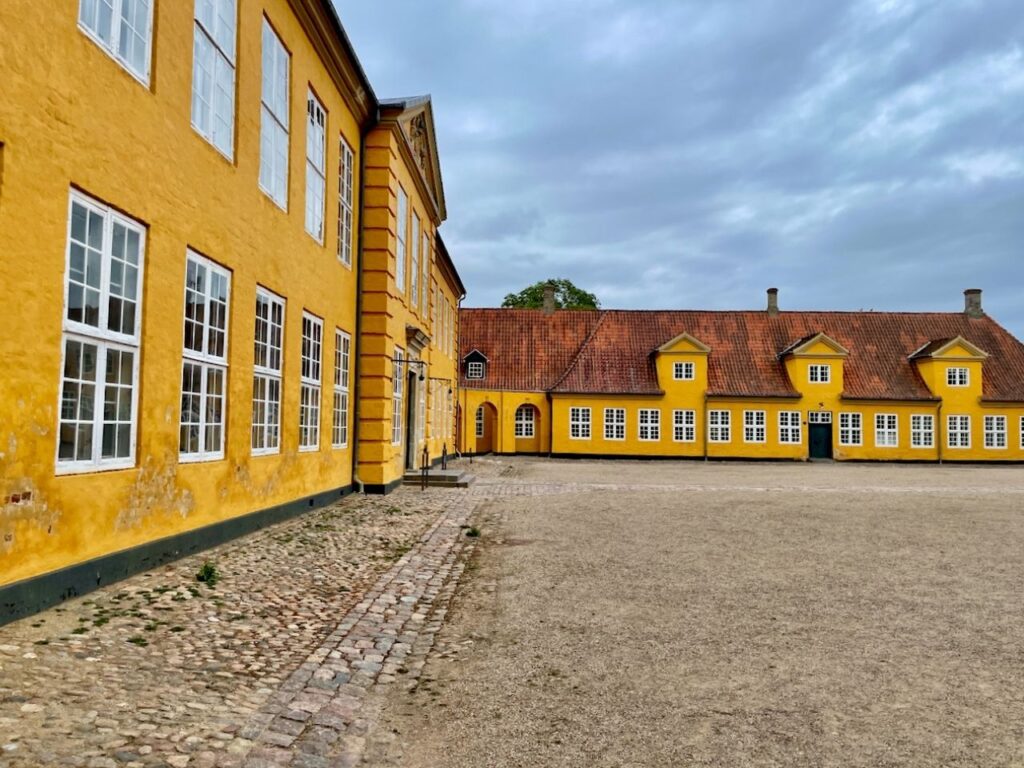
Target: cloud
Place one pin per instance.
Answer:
(689, 153)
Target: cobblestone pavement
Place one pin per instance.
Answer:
(266, 667)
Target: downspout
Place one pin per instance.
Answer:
(551, 423)
(706, 426)
(938, 430)
(356, 400)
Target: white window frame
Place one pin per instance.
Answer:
(887, 430)
(684, 426)
(346, 202)
(219, 48)
(316, 167)
(684, 371)
(401, 239)
(719, 426)
(414, 268)
(397, 396)
(819, 417)
(994, 435)
(648, 425)
(268, 377)
(342, 378)
(475, 370)
(100, 336)
(426, 262)
(1022, 433)
(272, 124)
(615, 424)
(526, 428)
(958, 432)
(791, 428)
(209, 363)
(480, 421)
(957, 376)
(819, 374)
(112, 47)
(922, 430)
(311, 382)
(851, 424)
(579, 423)
(755, 427)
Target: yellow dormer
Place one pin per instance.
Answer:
(951, 369)
(682, 364)
(814, 365)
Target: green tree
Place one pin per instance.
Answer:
(567, 296)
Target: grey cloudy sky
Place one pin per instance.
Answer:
(858, 154)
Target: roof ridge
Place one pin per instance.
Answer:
(579, 352)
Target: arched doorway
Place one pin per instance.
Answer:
(484, 428)
(527, 429)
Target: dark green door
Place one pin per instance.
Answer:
(821, 441)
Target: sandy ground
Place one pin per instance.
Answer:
(730, 615)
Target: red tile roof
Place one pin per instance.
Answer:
(611, 351)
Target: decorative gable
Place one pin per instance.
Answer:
(815, 345)
(955, 349)
(684, 343)
(415, 119)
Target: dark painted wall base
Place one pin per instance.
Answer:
(23, 598)
(383, 490)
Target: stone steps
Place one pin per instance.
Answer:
(437, 478)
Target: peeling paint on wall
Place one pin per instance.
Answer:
(22, 504)
(155, 492)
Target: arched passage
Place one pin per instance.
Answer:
(484, 426)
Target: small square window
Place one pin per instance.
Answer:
(958, 377)
(474, 370)
(819, 374)
(683, 371)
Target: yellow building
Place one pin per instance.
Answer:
(180, 216)
(410, 297)
(871, 386)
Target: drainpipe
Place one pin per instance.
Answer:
(705, 425)
(939, 436)
(551, 424)
(356, 401)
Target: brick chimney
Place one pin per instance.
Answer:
(773, 301)
(549, 299)
(972, 303)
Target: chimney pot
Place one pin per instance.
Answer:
(972, 303)
(549, 299)
(773, 301)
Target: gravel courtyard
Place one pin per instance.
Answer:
(680, 614)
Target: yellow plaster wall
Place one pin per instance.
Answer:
(75, 118)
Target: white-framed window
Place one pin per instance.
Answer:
(719, 426)
(684, 371)
(402, 253)
(274, 117)
(397, 395)
(316, 166)
(425, 261)
(310, 378)
(213, 73)
(790, 428)
(995, 432)
(267, 373)
(98, 414)
(475, 370)
(525, 424)
(819, 374)
(851, 429)
(887, 433)
(922, 430)
(122, 28)
(579, 423)
(205, 364)
(684, 426)
(819, 417)
(615, 424)
(958, 377)
(754, 430)
(346, 176)
(342, 359)
(958, 431)
(414, 273)
(1022, 433)
(480, 421)
(649, 425)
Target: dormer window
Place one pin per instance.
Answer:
(958, 377)
(819, 374)
(475, 370)
(683, 371)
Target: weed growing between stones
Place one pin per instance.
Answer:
(208, 574)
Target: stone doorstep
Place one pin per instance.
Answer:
(392, 629)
